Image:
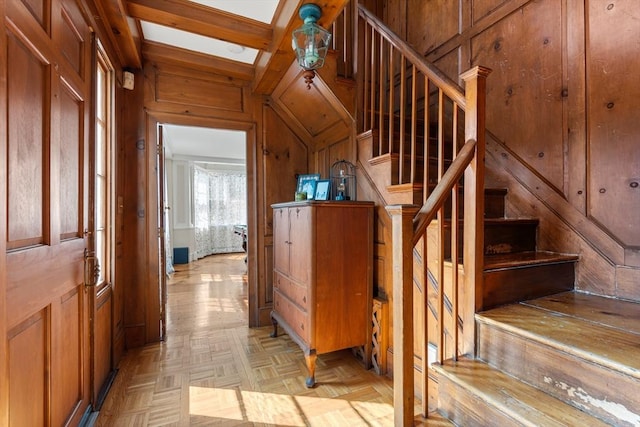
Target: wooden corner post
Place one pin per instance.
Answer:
(475, 94)
(402, 295)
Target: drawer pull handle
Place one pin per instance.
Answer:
(304, 299)
(302, 326)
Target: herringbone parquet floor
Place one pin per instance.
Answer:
(215, 370)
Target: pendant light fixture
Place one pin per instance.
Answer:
(310, 42)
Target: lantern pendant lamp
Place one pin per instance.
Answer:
(310, 42)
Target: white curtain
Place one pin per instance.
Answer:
(220, 203)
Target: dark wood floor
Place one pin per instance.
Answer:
(213, 369)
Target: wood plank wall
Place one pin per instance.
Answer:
(562, 100)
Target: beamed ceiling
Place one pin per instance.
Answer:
(203, 35)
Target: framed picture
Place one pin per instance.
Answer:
(323, 188)
(307, 183)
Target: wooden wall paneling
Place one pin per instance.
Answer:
(451, 64)
(395, 16)
(132, 184)
(483, 8)
(439, 23)
(340, 150)
(259, 261)
(283, 157)
(632, 257)
(321, 163)
(344, 89)
(4, 350)
(562, 228)
(121, 268)
(575, 106)
(172, 88)
(185, 91)
(525, 52)
(627, 279)
(28, 360)
(614, 177)
(314, 112)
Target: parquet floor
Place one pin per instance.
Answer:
(215, 370)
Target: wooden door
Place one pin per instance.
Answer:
(162, 258)
(48, 80)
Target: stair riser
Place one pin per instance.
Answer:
(493, 203)
(510, 285)
(609, 395)
(501, 238)
(465, 408)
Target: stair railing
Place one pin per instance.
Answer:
(411, 102)
(342, 35)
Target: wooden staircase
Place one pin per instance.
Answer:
(500, 337)
(546, 355)
(563, 360)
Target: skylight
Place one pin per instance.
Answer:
(198, 43)
(259, 10)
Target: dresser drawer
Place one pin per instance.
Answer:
(295, 292)
(297, 320)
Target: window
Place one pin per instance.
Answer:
(103, 166)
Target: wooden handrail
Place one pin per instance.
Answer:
(449, 87)
(443, 190)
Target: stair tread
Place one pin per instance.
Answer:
(612, 312)
(525, 259)
(601, 344)
(521, 401)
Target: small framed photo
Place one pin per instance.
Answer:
(323, 188)
(307, 183)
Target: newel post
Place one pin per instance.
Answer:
(475, 94)
(402, 296)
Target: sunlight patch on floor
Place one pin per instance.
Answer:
(280, 409)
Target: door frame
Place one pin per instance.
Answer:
(155, 303)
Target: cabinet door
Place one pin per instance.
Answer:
(300, 235)
(281, 240)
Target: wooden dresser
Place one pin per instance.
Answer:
(322, 284)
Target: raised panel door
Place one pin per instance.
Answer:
(45, 217)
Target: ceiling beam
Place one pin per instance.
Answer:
(270, 66)
(195, 18)
(159, 52)
(122, 33)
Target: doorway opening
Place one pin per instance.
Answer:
(205, 202)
